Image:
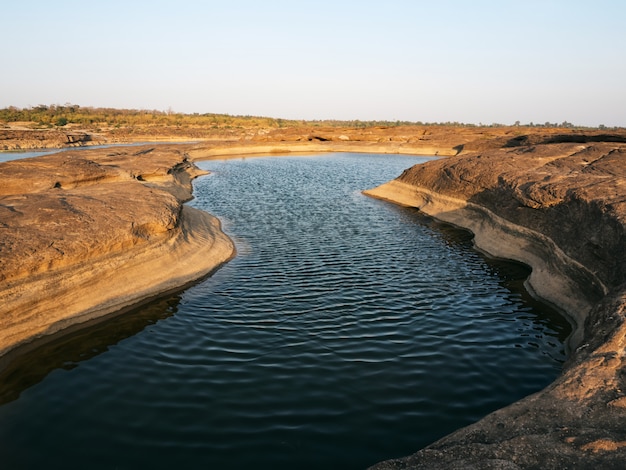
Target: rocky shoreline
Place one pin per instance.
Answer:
(559, 207)
(86, 233)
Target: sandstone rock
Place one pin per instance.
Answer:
(560, 206)
(22, 139)
(84, 234)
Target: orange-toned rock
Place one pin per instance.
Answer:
(85, 233)
(559, 206)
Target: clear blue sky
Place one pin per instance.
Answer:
(444, 60)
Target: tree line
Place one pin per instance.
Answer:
(61, 115)
(93, 117)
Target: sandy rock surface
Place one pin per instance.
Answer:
(85, 233)
(561, 207)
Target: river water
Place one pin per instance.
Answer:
(7, 156)
(346, 331)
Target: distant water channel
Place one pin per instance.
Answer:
(346, 331)
(7, 156)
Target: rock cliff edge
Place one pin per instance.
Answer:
(560, 206)
(84, 234)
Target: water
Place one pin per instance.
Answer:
(346, 331)
(6, 156)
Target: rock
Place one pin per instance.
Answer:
(83, 234)
(22, 139)
(558, 205)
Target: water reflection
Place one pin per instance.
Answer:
(29, 365)
(347, 331)
(511, 275)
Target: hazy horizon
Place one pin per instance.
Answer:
(450, 61)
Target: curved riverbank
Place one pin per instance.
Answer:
(555, 277)
(344, 324)
(559, 208)
(70, 221)
(86, 234)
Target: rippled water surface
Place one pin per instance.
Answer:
(346, 331)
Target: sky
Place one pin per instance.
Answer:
(473, 61)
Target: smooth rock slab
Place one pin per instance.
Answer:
(86, 233)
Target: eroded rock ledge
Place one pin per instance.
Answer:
(560, 207)
(83, 234)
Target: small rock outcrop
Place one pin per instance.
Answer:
(23, 139)
(559, 206)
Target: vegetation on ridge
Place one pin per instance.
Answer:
(90, 118)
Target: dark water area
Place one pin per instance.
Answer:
(346, 331)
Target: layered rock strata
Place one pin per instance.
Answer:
(83, 234)
(561, 208)
(86, 233)
(23, 139)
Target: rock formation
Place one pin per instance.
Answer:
(83, 234)
(22, 139)
(558, 205)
